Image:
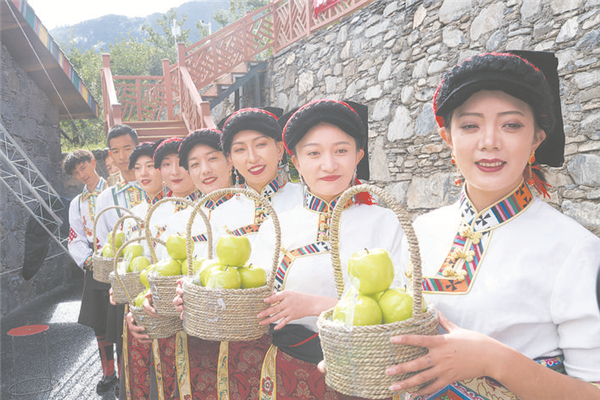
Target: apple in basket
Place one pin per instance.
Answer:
(119, 239)
(227, 278)
(396, 305)
(107, 251)
(196, 266)
(371, 271)
(357, 310)
(139, 300)
(139, 264)
(252, 277)
(168, 267)
(176, 247)
(233, 250)
(207, 266)
(144, 275)
(133, 250)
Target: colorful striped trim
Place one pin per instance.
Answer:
(211, 205)
(246, 230)
(200, 238)
(459, 269)
(290, 256)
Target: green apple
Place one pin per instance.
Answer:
(233, 250)
(396, 305)
(107, 251)
(139, 300)
(133, 250)
(144, 276)
(196, 266)
(227, 278)
(207, 266)
(168, 267)
(119, 239)
(138, 264)
(176, 247)
(252, 277)
(371, 271)
(376, 296)
(358, 310)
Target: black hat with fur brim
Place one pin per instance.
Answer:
(166, 148)
(530, 76)
(350, 117)
(208, 137)
(142, 149)
(263, 120)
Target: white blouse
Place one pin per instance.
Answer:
(305, 239)
(534, 286)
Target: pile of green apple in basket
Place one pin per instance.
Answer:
(370, 300)
(229, 271)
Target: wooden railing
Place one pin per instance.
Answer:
(110, 101)
(272, 27)
(259, 34)
(194, 111)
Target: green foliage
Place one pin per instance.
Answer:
(165, 42)
(237, 9)
(128, 56)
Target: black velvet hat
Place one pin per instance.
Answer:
(263, 120)
(142, 149)
(350, 117)
(209, 137)
(527, 75)
(166, 148)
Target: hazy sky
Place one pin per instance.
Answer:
(55, 13)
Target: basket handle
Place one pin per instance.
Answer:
(116, 262)
(188, 235)
(405, 222)
(149, 213)
(253, 195)
(97, 218)
(139, 222)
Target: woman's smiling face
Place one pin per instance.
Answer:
(326, 158)
(492, 135)
(256, 156)
(209, 168)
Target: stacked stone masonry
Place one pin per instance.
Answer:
(391, 55)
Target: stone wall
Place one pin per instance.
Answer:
(391, 54)
(31, 119)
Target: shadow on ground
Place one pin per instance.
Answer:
(72, 349)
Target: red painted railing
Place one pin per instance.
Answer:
(274, 26)
(270, 28)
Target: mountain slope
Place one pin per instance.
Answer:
(109, 28)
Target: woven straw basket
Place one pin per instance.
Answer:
(162, 287)
(131, 280)
(357, 356)
(156, 328)
(227, 314)
(102, 266)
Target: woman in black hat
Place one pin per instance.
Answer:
(326, 140)
(513, 277)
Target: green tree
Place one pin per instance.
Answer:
(85, 132)
(166, 41)
(237, 9)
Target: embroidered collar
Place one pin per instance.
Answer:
(100, 186)
(496, 214)
(470, 244)
(314, 203)
(162, 194)
(271, 188)
(212, 204)
(124, 185)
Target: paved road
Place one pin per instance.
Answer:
(73, 353)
